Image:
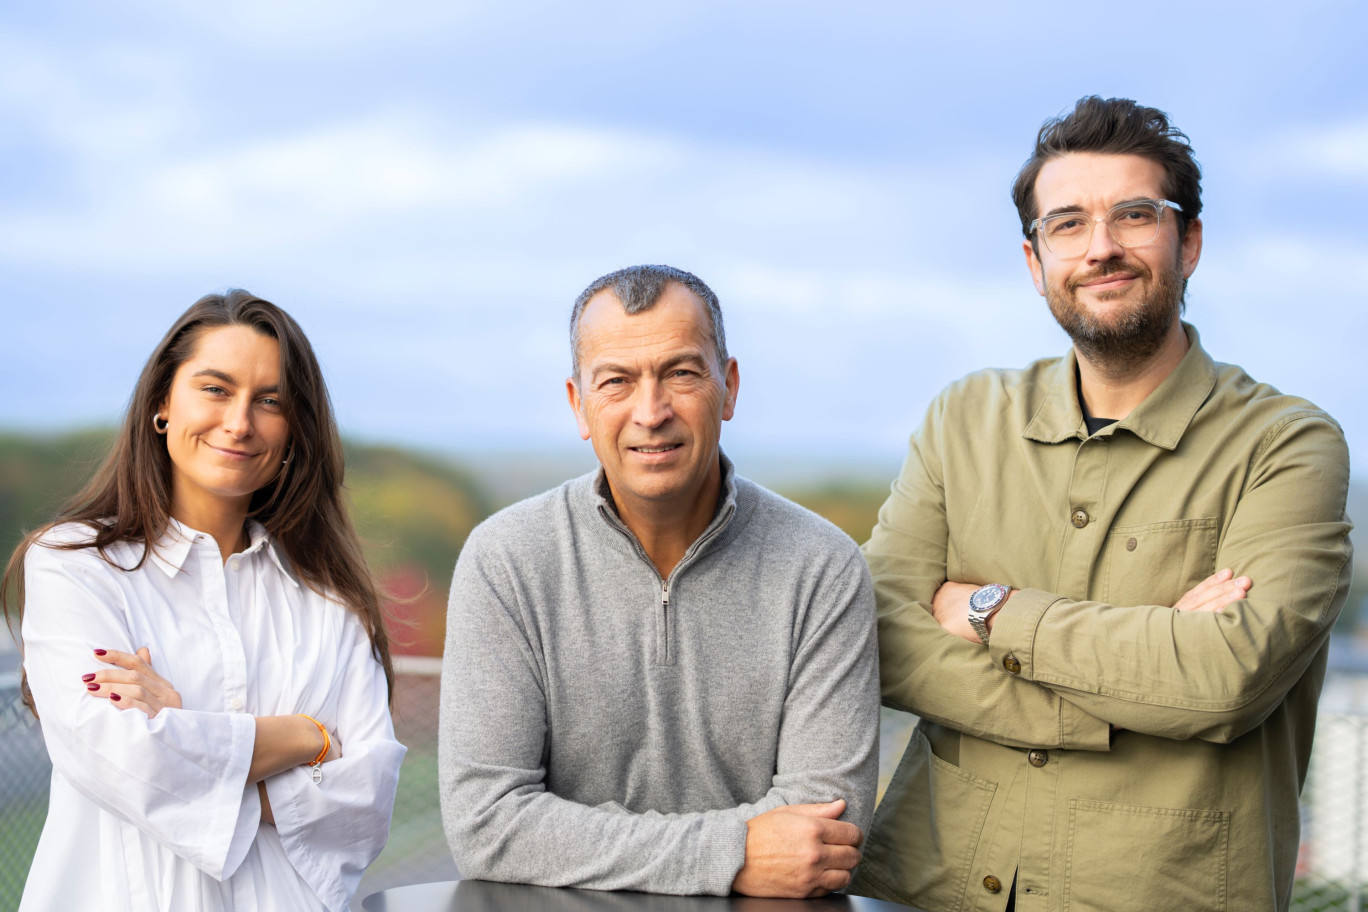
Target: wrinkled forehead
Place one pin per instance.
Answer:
(676, 326)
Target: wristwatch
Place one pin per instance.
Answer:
(983, 604)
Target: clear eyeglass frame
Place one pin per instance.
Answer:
(1075, 243)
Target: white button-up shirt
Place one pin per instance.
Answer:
(157, 814)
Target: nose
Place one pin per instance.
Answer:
(651, 407)
(1102, 246)
(237, 418)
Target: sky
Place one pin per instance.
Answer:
(426, 186)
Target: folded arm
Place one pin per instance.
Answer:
(503, 823)
(181, 777)
(1212, 675)
(935, 674)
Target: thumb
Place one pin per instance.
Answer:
(144, 654)
(831, 810)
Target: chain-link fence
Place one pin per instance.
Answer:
(1332, 872)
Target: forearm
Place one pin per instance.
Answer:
(522, 833)
(1163, 672)
(283, 742)
(961, 685)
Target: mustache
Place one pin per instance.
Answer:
(1110, 268)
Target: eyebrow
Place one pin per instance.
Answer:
(695, 358)
(1066, 210)
(228, 378)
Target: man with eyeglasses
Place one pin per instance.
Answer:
(1106, 582)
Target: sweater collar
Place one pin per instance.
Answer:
(1160, 420)
(722, 515)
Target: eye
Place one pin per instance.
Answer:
(1064, 224)
(270, 402)
(1134, 215)
(214, 390)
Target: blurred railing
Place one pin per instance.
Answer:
(1332, 872)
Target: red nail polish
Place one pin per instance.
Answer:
(92, 687)
(99, 652)
(115, 697)
(88, 677)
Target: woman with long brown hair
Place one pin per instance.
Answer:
(203, 644)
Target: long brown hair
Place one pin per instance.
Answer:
(129, 497)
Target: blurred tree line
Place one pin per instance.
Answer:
(414, 511)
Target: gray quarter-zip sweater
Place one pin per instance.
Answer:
(602, 727)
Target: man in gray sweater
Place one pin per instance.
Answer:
(659, 676)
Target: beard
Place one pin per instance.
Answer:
(1119, 342)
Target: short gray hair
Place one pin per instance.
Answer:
(639, 288)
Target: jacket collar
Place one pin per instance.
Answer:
(1160, 420)
(172, 550)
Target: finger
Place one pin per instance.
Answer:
(1225, 594)
(123, 700)
(830, 881)
(840, 857)
(840, 833)
(121, 659)
(145, 655)
(1194, 596)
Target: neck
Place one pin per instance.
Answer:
(666, 529)
(1113, 390)
(227, 526)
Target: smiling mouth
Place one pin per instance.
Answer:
(652, 450)
(235, 453)
(1113, 279)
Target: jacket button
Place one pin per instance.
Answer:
(1012, 665)
(1130, 544)
(1038, 758)
(1079, 518)
(992, 884)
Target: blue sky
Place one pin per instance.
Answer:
(426, 187)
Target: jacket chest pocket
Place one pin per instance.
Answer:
(1156, 563)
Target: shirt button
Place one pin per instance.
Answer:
(235, 705)
(1079, 518)
(233, 563)
(1012, 665)
(1130, 544)
(992, 884)
(1038, 758)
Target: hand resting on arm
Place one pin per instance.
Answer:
(281, 742)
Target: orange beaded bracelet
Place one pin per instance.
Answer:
(316, 764)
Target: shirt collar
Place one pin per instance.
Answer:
(1160, 420)
(173, 549)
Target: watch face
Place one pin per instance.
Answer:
(987, 597)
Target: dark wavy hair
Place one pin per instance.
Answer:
(1114, 126)
(129, 497)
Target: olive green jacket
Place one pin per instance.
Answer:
(1191, 802)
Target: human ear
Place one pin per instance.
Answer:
(1033, 263)
(732, 376)
(572, 394)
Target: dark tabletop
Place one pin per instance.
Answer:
(485, 896)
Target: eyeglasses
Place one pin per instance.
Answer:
(1133, 224)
